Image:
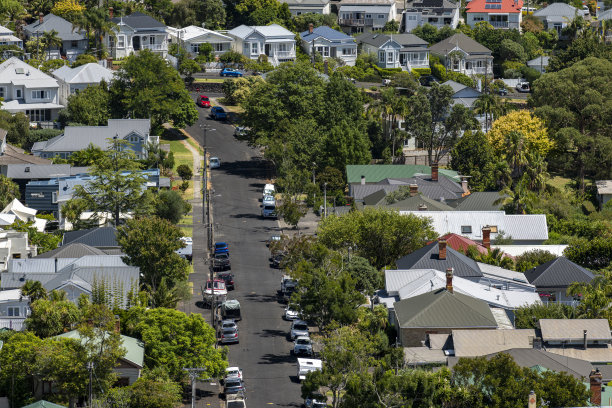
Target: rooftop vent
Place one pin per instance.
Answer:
(27, 170)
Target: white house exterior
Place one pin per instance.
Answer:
(14, 308)
(274, 41)
(76, 79)
(460, 53)
(7, 37)
(191, 37)
(74, 40)
(557, 16)
(362, 16)
(28, 90)
(438, 13)
(406, 51)
(330, 43)
(137, 32)
(14, 245)
(298, 7)
(502, 14)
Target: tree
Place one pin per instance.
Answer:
(593, 254)
(18, 361)
(83, 59)
(345, 145)
(90, 106)
(531, 259)
(512, 51)
(212, 13)
(263, 12)
(291, 211)
(116, 186)
(367, 278)
(391, 27)
(379, 235)
(155, 389)
(473, 156)
(527, 317)
(150, 243)
(174, 340)
(189, 67)
(523, 122)
(70, 10)
(184, 172)
(147, 87)
(43, 241)
(50, 318)
(17, 127)
(34, 290)
(51, 39)
(88, 157)
(302, 22)
(490, 105)
(171, 206)
(9, 190)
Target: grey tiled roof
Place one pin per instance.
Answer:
(96, 237)
(374, 39)
(139, 20)
(558, 273)
(427, 258)
(37, 171)
(444, 188)
(480, 201)
(459, 40)
(64, 28)
(74, 250)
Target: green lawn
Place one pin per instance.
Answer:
(208, 80)
(559, 182)
(181, 154)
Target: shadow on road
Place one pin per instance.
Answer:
(254, 168)
(261, 298)
(276, 359)
(247, 215)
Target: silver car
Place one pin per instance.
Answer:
(299, 328)
(302, 346)
(229, 335)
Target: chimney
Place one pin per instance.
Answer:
(117, 324)
(585, 340)
(111, 12)
(442, 249)
(449, 279)
(422, 207)
(464, 185)
(40, 18)
(414, 190)
(486, 237)
(533, 400)
(434, 172)
(363, 180)
(595, 379)
(310, 28)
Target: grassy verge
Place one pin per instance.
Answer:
(182, 155)
(208, 80)
(559, 182)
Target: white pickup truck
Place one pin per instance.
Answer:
(235, 402)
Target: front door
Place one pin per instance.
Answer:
(267, 48)
(136, 43)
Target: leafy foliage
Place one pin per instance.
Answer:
(473, 156)
(527, 317)
(43, 241)
(593, 254)
(155, 389)
(90, 106)
(50, 318)
(531, 259)
(9, 190)
(184, 172)
(170, 206)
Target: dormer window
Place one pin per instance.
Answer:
(133, 139)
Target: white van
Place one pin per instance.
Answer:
(269, 190)
(306, 365)
(268, 207)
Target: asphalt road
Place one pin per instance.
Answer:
(263, 352)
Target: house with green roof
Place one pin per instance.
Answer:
(44, 404)
(375, 173)
(439, 312)
(129, 366)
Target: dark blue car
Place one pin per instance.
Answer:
(221, 247)
(218, 113)
(228, 72)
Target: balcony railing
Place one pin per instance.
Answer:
(353, 22)
(13, 323)
(154, 47)
(417, 63)
(499, 24)
(284, 54)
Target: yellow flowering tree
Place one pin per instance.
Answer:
(534, 132)
(71, 10)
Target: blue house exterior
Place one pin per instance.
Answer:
(330, 43)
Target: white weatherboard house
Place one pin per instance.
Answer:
(298, 7)
(191, 37)
(362, 16)
(7, 37)
(76, 79)
(274, 41)
(28, 90)
(438, 13)
(460, 53)
(74, 39)
(330, 43)
(557, 16)
(406, 51)
(137, 32)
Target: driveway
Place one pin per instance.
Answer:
(263, 352)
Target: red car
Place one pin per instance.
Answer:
(203, 101)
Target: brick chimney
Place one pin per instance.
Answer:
(533, 400)
(40, 18)
(442, 249)
(595, 378)
(414, 190)
(464, 186)
(486, 237)
(363, 180)
(111, 12)
(434, 172)
(449, 279)
(310, 28)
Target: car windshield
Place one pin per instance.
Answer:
(300, 327)
(205, 98)
(233, 383)
(303, 341)
(232, 372)
(222, 255)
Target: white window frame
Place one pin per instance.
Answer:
(381, 16)
(217, 47)
(2, 92)
(254, 48)
(121, 41)
(195, 48)
(134, 139)
(412, 18)
(40, 94)
(381, 57)
(466, 229)
(282, 47)
(10, 311)
(349, 51)
(54, 197)
(18, 94)
(390, 57)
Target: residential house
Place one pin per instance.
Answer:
(467, 96)
(28, 90)
(137, 32)
(521, 228)
(584, 339)
(273, 41)
(460, 53)
(416, 202)
(360, 16)
(7, 37)
(501, 14)
(192, 37)
(43, 404)
(406, 51)
(15, 211)
(74, 39)
(329, 43)
(480, 201)
(76, 276)
(23, 173)
(439, 312)
(299, 7)
(539, 63)
(10, 154)
(103, 238)
(14, 245)
(74, 250)
(14, 308)
(553, 278)
(72, 80)
(76, 138)
(129, 365)
(557, 16)
(604, 191)
(438, 13)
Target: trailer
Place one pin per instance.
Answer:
(230, 309)
(306, 365)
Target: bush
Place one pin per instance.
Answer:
(184, 186)
(51, 65)
(232, 56)
(530, 74)
(386, 72)
(531, 259)
(206, 51)
(512, 68)
(170, 206)
(184, 172)
(419, 72)
(83, 59)
(461, 78)
(593, 254)
(439, 72)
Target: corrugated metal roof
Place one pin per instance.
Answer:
(558, 273)
(499, 273)
(134, 348)
(16, 280)
(410, 40)
(242, 31)
(427, 258)
(10, 295)
(65, 30)
(37, 171)
(374, 39)
(274, 30)
(475, 343)
(74, 250)
(97, 237)
(573, 329)
(442, 309)
(44, 404)
(91, 73)
(138, 20)
(595, 354)
(415, 203)
(377, 172)
(604, 186)
(326, 32)
(481, 201)
(17, 105)
(10, 67)
(557, 9)
(423, 355)
(461, 41)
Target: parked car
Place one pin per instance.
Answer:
(268, 207)
(203, 101)
(233, 386)
(299, 328)
(291, 314)
(229, 280)
(218, 113)
(523, 87)
(240, 131)
(233, 372)
(302, 346)
(228, 324)
(230, 309)
(229, 72)
(214, 163)
(268, 190)
(221, 261)
(229, 336)
(221, 247)
(272, 239)
(315, 402)
(502, 91)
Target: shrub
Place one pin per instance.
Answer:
(184, 186)
(83, 59)
(51, 65)
(232, 56)
(184, 172)
(386, 72)
(530, 74)
(531, 259)
(439, 72)
(461, 78)
(419, 72)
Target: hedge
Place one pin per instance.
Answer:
(419, 72)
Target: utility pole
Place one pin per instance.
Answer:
(206, 208)
(194, 373)
(324, 200)
(90, 367)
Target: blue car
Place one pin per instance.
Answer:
(221, 247)
(228, 72)
(218, 113)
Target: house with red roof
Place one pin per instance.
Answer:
(503, 14)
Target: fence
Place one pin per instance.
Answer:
(12, 323)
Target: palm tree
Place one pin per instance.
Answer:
(51, 39)
(101, 24)
(58, 296)
(496, 257)
(34, 290)
(490, 105)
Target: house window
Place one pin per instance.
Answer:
(381, 16)
(412, 18)
(18, 94)
(389, 57)
(455, 65)
(74, 44)
(152, 40)
(39, 115)
(466, 229)
(195, 48)
(2, 91)
(254, 48)
(111, 42)
(54, 197)
(478, 18)
(368, 16)
(12, 310)
(324, 51)
(121, 41)
(218, 47)
(133, 139)
(381, 56)
(468, 65)
(40, 94)
(493, 229)
(349, 51)
(16, 256)
(282, 47)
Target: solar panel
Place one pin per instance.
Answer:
(493, 6)
(493, 1)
